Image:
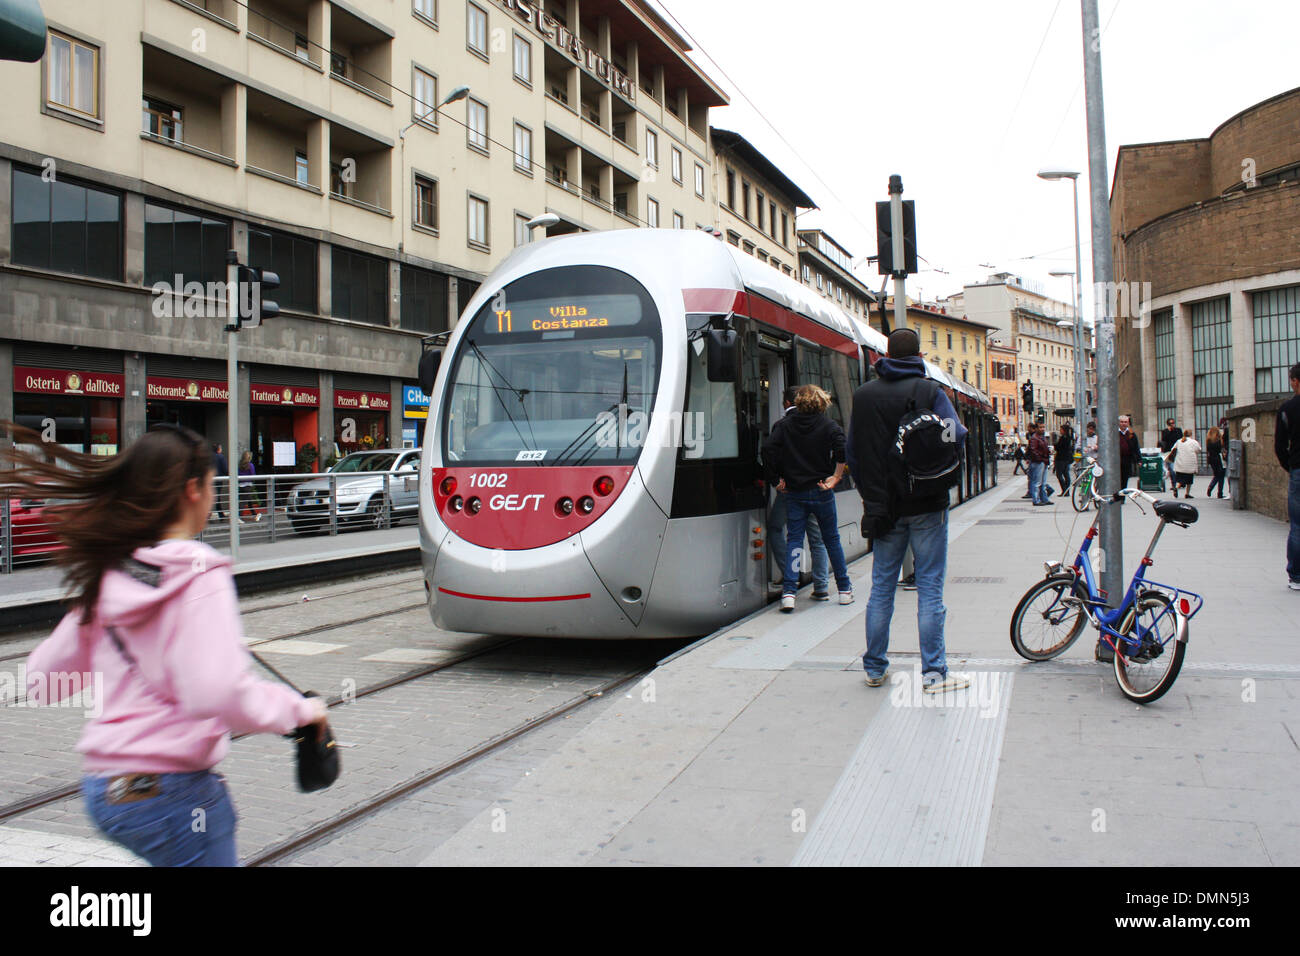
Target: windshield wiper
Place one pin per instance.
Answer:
(518, 393)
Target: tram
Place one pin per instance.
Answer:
(591, 462)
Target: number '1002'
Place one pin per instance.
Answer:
(487, 481)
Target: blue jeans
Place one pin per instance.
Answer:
(821, 562)
(821, 506)
(1037, 473)
(1293, 539)
(928, 536)
(191, 822)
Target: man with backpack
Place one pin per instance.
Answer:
(1040, 453)
(904, 452)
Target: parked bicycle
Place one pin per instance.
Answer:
(1149, 629)
(1081, 487)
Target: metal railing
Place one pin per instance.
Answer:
(272, 508)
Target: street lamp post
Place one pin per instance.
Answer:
(1075, 323)
(546, 219)
(1077, 290)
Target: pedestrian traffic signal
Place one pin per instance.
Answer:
(1027, 396)
(253, 307)
(885, 239)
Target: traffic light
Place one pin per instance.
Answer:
(885, 238)
(253, 308)
(1027, 395)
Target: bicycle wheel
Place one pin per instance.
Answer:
(1043, 624)
(1146, 672)
(1080, 494)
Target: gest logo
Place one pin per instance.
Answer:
(514, 502)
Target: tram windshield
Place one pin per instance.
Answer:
(558, 368)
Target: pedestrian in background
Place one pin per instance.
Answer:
(1214, 454)
(1064, 457)
(1130, 452)
(1168, 438)
(1040, 454)
(895, 515)
(776, 521)
(1286, 445)
(1186, 461)
(155, 613)
(222, 467)
(806, 450)
(1090, 446)
(1019, 456)
(248, 489)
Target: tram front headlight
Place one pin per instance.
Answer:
(564, 507)
(473, 505)
(455, 505)
(586, 505)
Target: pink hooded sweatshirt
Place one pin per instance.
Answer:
(191, 686)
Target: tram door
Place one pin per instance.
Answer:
(774, 372)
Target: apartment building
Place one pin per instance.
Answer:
(827, 266)
(954, 342)
(382, 156)
(757, 203)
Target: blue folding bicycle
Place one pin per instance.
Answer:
(1147, 631)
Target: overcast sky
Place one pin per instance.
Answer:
(942, 92)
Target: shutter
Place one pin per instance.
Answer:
(284, 375)
(54, 356)
(180, 366)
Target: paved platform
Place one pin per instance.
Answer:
(762, 745)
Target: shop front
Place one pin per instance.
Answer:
(361, 419)
(195, 403)
(284, 422)
(415, 412)
(79, 410)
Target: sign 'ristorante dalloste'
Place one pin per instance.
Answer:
(530, 12)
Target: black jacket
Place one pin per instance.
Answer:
(1169, 438)
(877, 468)
(803, 448)
(1286, 436)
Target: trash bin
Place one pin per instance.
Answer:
(1151, 473)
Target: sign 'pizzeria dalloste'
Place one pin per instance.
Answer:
(531, 13)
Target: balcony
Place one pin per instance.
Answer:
(361, 56)
(361, 171)
(283, 26)
(187, 108)
(280, 144)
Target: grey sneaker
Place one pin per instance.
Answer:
(934, 684)
(1293, 585)
(821, 595)
(876, 680)
(787, 603)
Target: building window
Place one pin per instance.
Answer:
(476, 129)
(301, 47)
(293, 259)
(300, 169)
(424, 104)
(1162, 327)
(677, 165)
(731, 189)
(807, 275)
(733, 237)
(1277, 340)
(424, 300)
(963, 341)
(652, 213)
(183, 243)
(339, 185)
(162, 119)
(426, 202)
(652, 147)
(523, 149)
(521, 230)
(338, 64)
(1211, 362)
(427, 9)
(771, 219)
(66, 227)
(358, 286)
(72, 77)
(476, 29)
(744, 198)
(523, 60)
(478, 221)
(821, 283)
(949, 341)
(679, 221)
(749, 247)
(785, 229)
(760, 212)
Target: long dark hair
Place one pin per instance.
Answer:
(109, 506)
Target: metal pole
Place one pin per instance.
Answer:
(900, 260)
(1112, 523)
(232, 403)
(1076, 286)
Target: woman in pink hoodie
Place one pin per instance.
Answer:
(154, 613)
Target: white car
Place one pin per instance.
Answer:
(359, 487)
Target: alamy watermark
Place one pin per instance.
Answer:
(73, 689)
(631, 429)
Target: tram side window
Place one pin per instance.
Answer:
(709, 430)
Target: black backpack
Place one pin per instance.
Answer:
(931, 458)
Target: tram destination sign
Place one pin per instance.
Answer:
(583, 314)
(530, 12)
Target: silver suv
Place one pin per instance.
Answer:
(358, 481)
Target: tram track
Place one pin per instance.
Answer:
(56, 794)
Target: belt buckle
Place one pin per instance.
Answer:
(132, 787)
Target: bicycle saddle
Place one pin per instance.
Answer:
(1176, 511)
